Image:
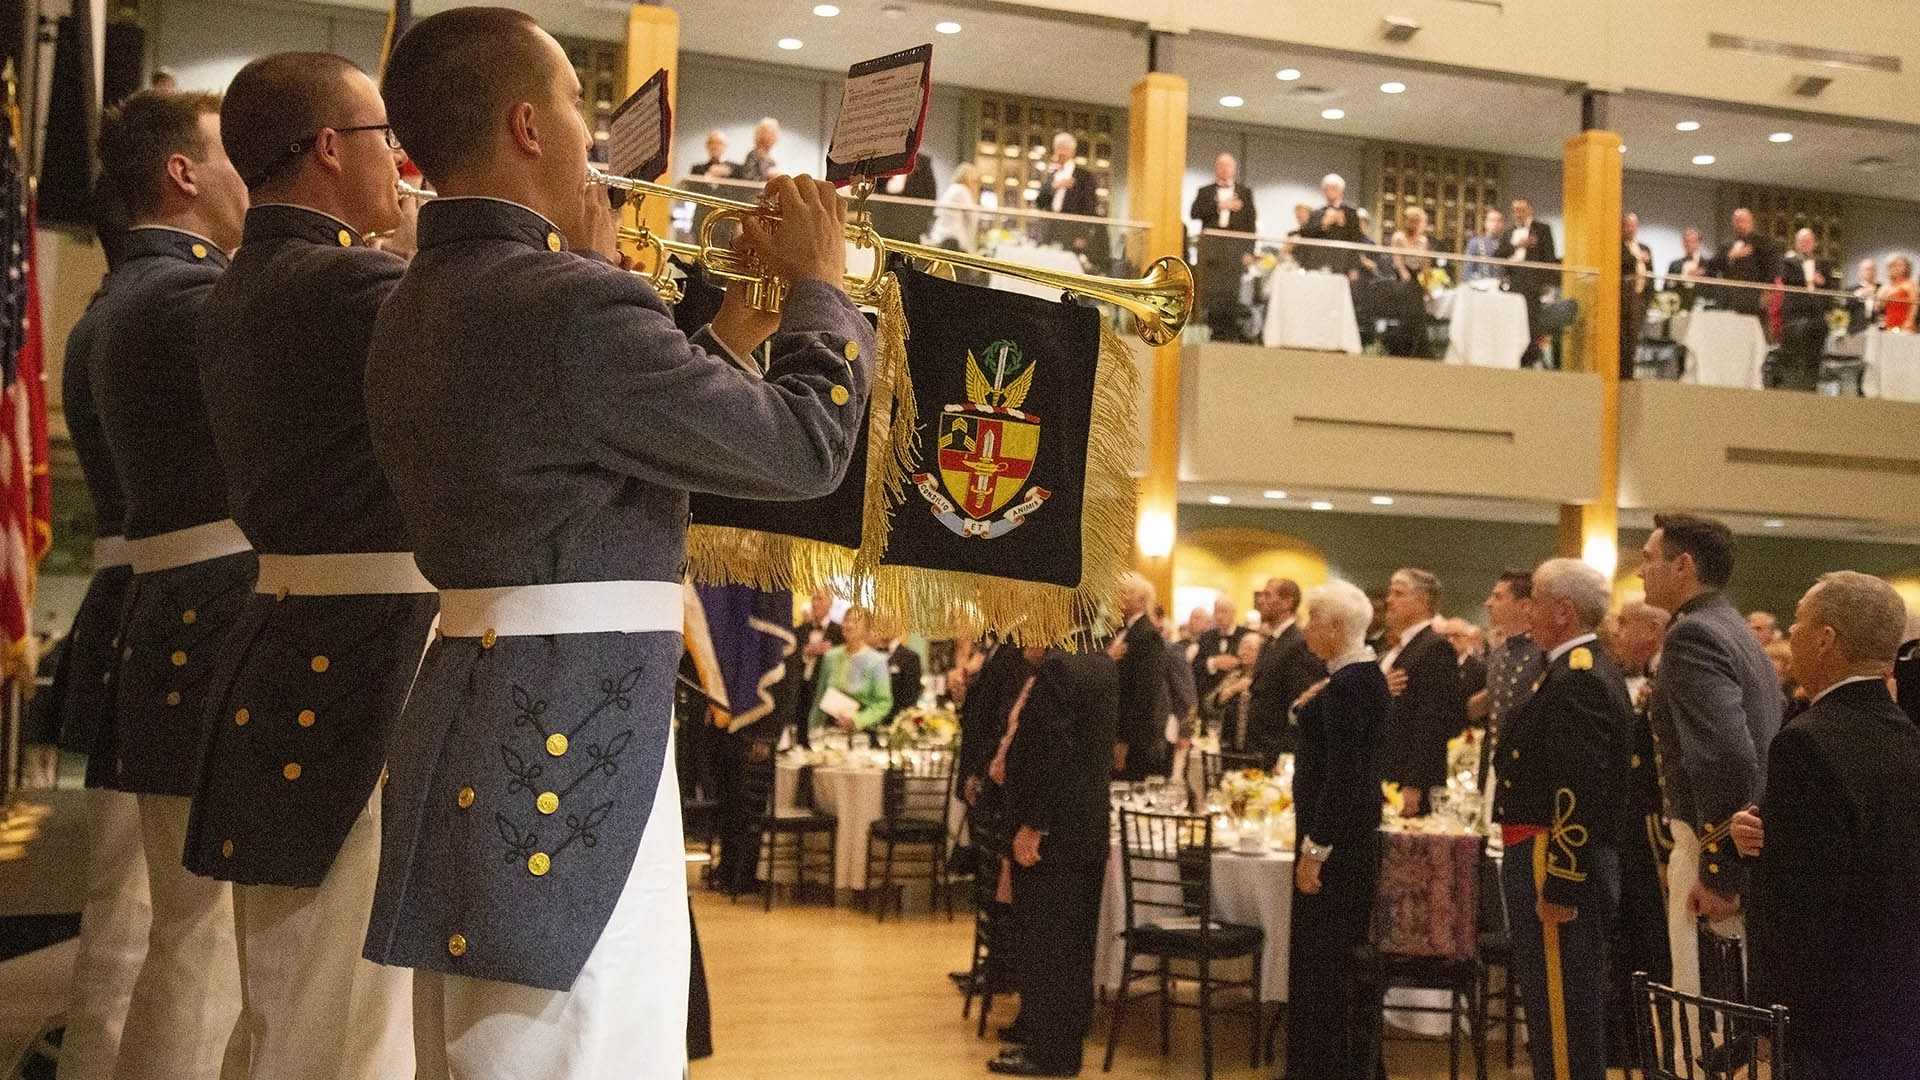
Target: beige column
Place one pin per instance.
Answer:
(1591, 201)
(1156, 162)
(653, 42)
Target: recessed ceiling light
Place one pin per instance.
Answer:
(1333, 114)
(948, 27)
(1276, 494)
(1393, 88)
(791, 43)
(1780, 136)
(1773, 523)
(825, 11)
(1687, 125)
(1287, 74)
(1233, 101)
(1623, 148)
(1703, 159)
(1219, 500)
(1382, 500)
(1321, 505)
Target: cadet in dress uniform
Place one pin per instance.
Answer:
(113, 924)
(314, 673)
(1561, 805)
(192, 568)
(541, 421)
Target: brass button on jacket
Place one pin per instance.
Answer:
(457, 945)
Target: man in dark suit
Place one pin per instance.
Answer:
(1140, 746)
(1803, 316)
(1748, 257)
(812, 637)
(1636, 281)
(1432, 707)
(1562, 809)
(1286, 668)
(1226, 205)
(1072, 188)
(903, 664)
(1336, 219)
(1834, 937)
(1716, 705)
(1058, 769)
(1641, 943)
(1866, 295)
(1529, 240)
(1692, 263)
(1213, 656)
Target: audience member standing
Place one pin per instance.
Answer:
(903, 664)
(1214, 656)
(1337, 220)
(1636, 278)
(1899, 297)
(1073, 189)
(1332, 1018)
(1140, 742)
(812, 637)
(1750, 257)
(1716, 705)
(1641, 943)
(1692, 263)
(716, 165)
(1866, 297)
(1834, 934)
(1285, 670)
(1514, 662)
(1486, 245)
(759, 165)
(1226, 205)
(1530, 241)
(1803, 316)
(1431, 709)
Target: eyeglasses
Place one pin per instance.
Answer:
(295, 149)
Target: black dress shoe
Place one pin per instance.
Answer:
(1016, 1063)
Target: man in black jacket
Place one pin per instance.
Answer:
(812, 637)
(1226, 205)
(1337, 220)
(1432, 707)
(1803, 316)
(1529, 240)
(1214, 653)
(1057, 774)
(1286, 668)
(1834, 937)
(1749, 257)
(1140, 746)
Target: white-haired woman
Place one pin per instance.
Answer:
(1336, 791)
(955, 222)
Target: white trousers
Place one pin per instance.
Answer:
(1683, 871)
(188, 994)
(312, 1008)
(113, 936)
(625, 1017)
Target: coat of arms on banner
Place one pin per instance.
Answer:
(986, 448)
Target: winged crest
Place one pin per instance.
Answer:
(982, 390)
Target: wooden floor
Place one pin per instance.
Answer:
(813, 992)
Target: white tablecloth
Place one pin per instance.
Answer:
(1043, 258)
(1893, 366)
(1311, 311)
(1488, 328)
(1724, 348)
(854, 796)
(1254, 890)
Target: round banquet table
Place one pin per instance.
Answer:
(1727, 349)
(1311, 311)
(1893, 365)
(853, 794)
(1486, 328)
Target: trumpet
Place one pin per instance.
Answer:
(1159, 301)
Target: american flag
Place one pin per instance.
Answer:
(26, 521)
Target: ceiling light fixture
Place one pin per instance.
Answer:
(1773, 523)
(1780, 136)
(791, 43)
(1219, 500)
(1287, 74)
(1382, 500)
(1275, 494)
(825, 11)
(1333, 114)
(1703, 159)
(948, 27)
(1687, 125)
(1233, 101)
(1321, 504)
(1393, 88)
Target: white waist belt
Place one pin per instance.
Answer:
(111, 551)
(361, 573)
(572, 607)
(184, 547)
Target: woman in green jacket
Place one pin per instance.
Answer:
(857, 670)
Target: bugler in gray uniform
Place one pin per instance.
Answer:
(542, 421)
(308, 685)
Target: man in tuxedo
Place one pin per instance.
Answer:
(1486, 244)
(1529, 241)
(1072, 189)
(1432, 707)
(1336, 220)
(1057, 772)
(1284, 671)
(1213, 657)
(1715, 707)
(716, 164)
(1140, 746)
(1691, 263)
(1834, 937)
(811, 639)
(1750, 257)
(1861, 309)
(1224, 205)
(1803, 316)
(1636, 280)
(903, 664)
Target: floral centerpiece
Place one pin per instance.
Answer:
(1249, 790)
(923, 728)
(1463, 754)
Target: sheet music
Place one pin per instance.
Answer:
(634, 135)
(878, 110)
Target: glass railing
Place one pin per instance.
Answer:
(1327, 295)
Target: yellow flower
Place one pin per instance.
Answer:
(1580, 659)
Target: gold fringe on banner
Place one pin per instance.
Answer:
(720, 554)
(1031, 613)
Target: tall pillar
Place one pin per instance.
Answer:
(653, 42)
(1156, 165)
(1592, 206)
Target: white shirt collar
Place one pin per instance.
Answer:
(1841, 683)
(1280, 627)
(1361, 655)
(1569, 645)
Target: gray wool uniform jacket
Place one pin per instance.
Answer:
(145, 376)
(542, 421)
(1715, 708)
(296, 744)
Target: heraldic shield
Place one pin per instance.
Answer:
(988, 445)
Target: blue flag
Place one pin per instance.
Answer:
(739, 638)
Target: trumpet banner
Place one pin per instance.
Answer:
(993, 483)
